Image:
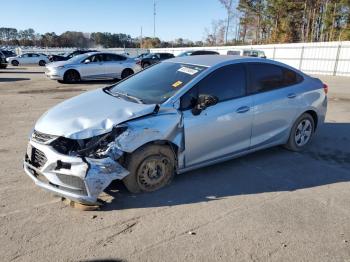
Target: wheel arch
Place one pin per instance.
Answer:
(70, 70)
(314, 115)
(174, 147)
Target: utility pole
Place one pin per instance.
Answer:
(154, 18)
(141, 39)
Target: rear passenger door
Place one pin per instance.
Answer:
(274, 91)
(221, 129)
(113, 64)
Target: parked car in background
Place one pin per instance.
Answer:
(3, 62)
(198, 52)
(55, 58)
(247, 52)
(8, 53)
(178, 115)
(153, 58)
(29, 58)
(92, 66)
(140, 56)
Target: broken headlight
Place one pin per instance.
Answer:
(97, 146)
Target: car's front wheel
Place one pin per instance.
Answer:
(301, 133)
(71, 76)
(15, 63)
(151, 168)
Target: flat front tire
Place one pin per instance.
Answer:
(151, 168)
(301, 133)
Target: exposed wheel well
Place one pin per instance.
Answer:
(170, 144)
(314, 116)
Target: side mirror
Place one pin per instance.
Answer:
(203, 102)
(87, 61)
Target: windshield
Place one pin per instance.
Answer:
(187, 53)
(157, 83)
(77, 58)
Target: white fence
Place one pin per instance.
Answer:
(328, 58)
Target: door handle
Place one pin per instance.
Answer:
(291, 95)
(243, 109)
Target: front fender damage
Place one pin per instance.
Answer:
(165, 127)
(101, 173)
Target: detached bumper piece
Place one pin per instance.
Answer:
(80, 180)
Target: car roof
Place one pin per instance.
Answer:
(209, 60)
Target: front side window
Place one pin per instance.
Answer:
(225, 83)
(96, 58)
(157, 83)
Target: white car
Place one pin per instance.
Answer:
(29, 58)
(92, 66)
(247, 52)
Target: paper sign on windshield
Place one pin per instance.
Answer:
(188, 70)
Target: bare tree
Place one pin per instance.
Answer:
(228, 4)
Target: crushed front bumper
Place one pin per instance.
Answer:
(75, 178)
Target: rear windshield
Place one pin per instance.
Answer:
(157, 83)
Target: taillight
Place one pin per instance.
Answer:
(138, 62)
(325, 88)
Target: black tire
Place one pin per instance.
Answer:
(3, 66)
(14, 63)
(126, 73)
(146, 64)
(71, 76)
(139, 163)
(295, 144)
(42, 63)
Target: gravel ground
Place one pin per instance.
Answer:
(273, 205)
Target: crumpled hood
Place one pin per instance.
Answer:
(89, 114)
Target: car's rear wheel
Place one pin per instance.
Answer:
(146, 64)
(42, 63)
(71, 76)
(151, 168)
(3, 66)
(15, 63)
(301, 134)
(127, 72)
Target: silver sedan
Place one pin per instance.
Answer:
(178, 115)
(92, 66)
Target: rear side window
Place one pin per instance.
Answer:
(267, 77)
(112, 57)
(225, 83)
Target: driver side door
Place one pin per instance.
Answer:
(92, 68)
(222, 129)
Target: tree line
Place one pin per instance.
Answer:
(281, 21)
(28, 37)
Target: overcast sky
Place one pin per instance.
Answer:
(174, 19)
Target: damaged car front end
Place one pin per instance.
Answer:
(75, 169)
(80, 146)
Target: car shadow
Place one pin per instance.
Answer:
(326, 161)
(4, 71)
(93, 82)
(15, 79)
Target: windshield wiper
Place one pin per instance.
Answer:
(138, 100)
